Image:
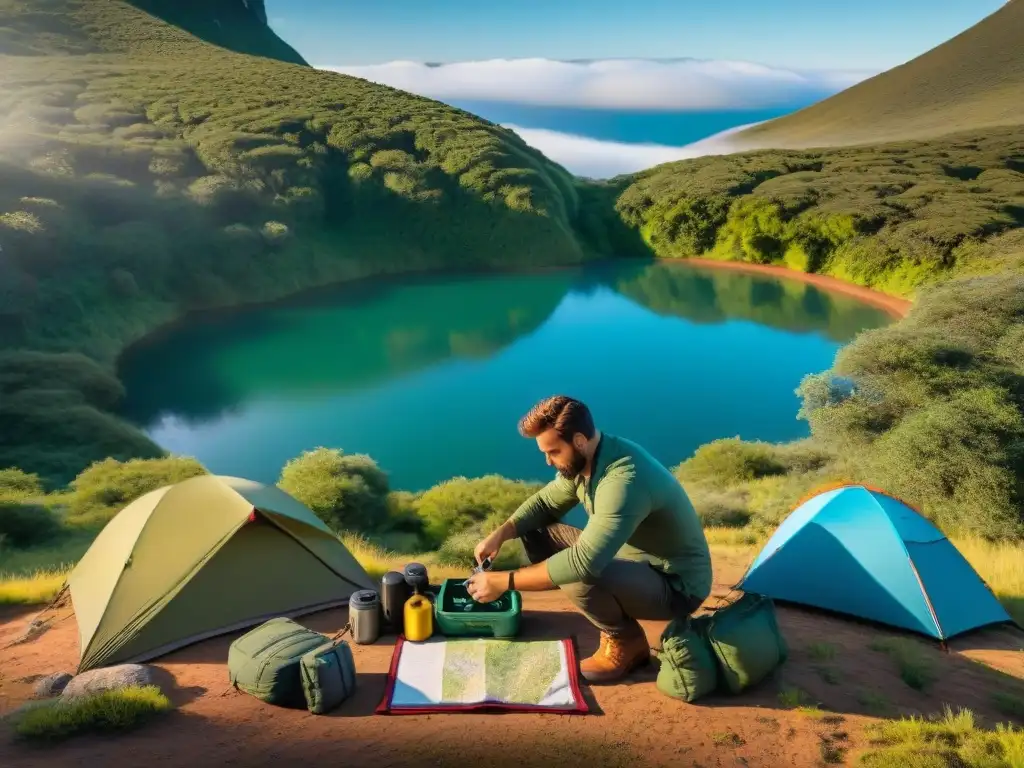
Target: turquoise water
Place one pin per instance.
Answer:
(430, 376)
(670, 128)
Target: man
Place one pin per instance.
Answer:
(642, 554)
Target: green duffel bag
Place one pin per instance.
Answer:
(746, 640)
(264, 662)
(688, 668)
(328, 676)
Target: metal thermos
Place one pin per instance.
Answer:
(416, 577)
(364, 616)
(394, 592)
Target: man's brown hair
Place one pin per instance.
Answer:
(564, 414)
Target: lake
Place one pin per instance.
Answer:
(429, 375)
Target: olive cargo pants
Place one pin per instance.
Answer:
(627, 590)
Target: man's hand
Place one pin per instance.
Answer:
(488, 586)
(490, 546)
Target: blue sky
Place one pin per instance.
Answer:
(815, 34)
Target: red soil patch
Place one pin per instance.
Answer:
(632, 723)
(893, 305)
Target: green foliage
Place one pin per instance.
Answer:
(730, 460)
(457, 550)
(56, 416)
(932, 409)
(349, 492)
(107, 486)
(891, 217)
(16, 483)
(55, 720)
(24, 524)
(953, 740)
(461, 504)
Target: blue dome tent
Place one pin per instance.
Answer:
(861, 552)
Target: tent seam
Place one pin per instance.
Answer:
(910, 560)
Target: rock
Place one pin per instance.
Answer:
(109, 679)
(52, 685)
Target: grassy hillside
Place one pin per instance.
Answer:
(973, 81)
(147, 174)
(245, 178)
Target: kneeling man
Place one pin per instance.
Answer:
(641, 555)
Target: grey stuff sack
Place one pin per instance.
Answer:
(328, 676)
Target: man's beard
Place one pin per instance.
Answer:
(576, 465)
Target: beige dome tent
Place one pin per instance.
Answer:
(200, 558)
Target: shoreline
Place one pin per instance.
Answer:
(894, 306)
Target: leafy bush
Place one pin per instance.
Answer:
(462, 503)
(730, 460)
(25, 525)
(107, 486)
(55, 720)
(932, 409)
(349, 492)
(15, 482)
(457, 551)
(720, 508)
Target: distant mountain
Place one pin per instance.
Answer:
(973, 81)
(239, 25)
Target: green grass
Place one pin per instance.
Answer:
(974, 80)
(915, 667)
(53, 721)
(952, 741)
(822, 651)
(791, 697)
(728, 739)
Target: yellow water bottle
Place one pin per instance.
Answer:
(419, 618)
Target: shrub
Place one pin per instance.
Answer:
(462, 503)
(25, 525)
(349, 492)
(730, 460)
(119, 710)
(16, 483)
(104, 488)
(457, 551)
(717, 508)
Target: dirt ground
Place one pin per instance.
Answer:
(631, 723)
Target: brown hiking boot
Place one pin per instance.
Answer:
(616, 657)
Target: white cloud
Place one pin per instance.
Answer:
(599, 159)
(688, 84)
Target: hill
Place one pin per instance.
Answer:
(973, 81)
(146, 173)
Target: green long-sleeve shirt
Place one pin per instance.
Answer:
(637, 511)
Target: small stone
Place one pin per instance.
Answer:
(52, 685)
(109, 679)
